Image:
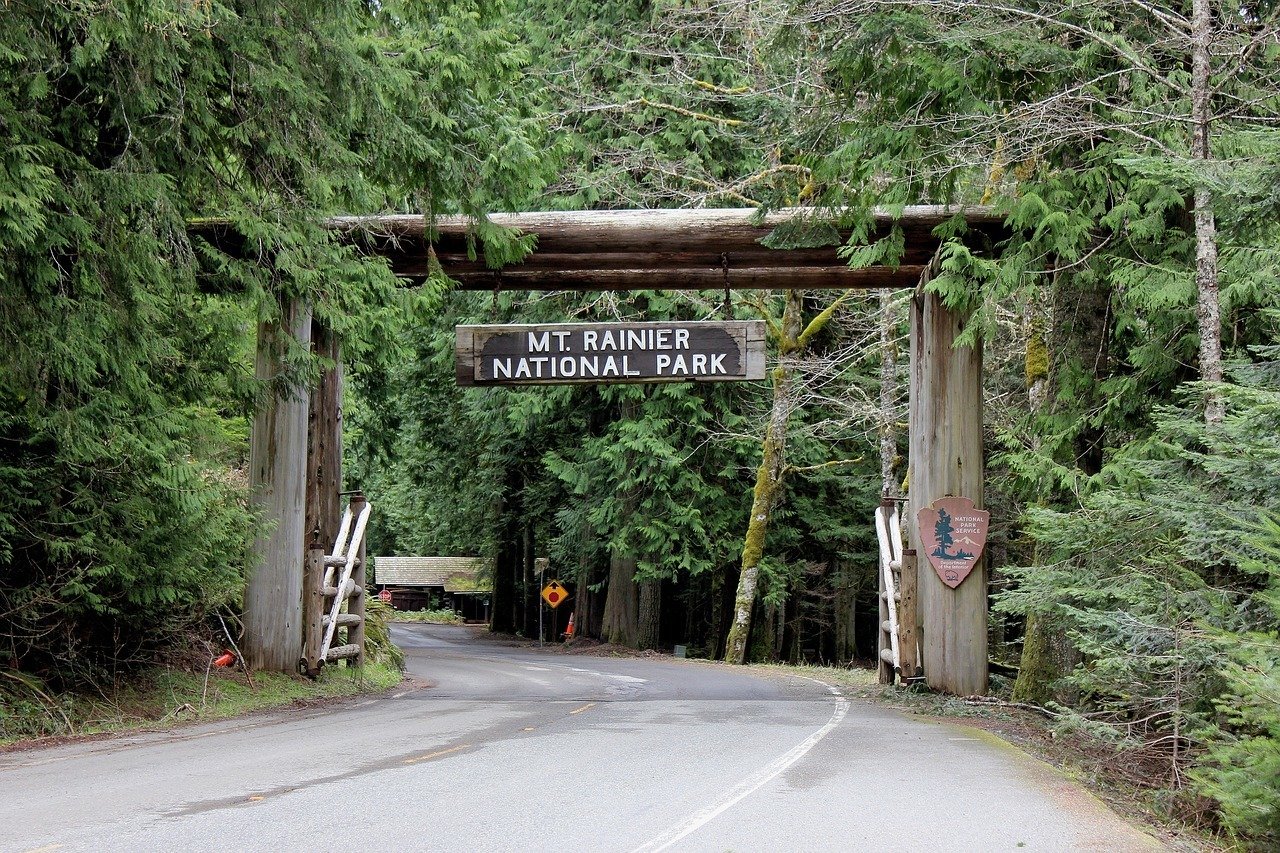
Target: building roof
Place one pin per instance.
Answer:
(453, 574)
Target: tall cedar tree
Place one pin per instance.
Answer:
(123, 123)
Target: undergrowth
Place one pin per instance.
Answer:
(165, 696)
(435, 617)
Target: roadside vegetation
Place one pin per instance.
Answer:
(435, 617)
(162, 698)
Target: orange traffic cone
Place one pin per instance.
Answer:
(568, 632)
(227, 659)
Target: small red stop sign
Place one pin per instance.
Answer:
(553, 596)
(385, 596)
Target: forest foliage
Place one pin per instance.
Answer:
(1135, 550)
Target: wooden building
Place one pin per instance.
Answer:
(460, 584)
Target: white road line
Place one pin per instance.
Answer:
(630, 679)
(747, 786)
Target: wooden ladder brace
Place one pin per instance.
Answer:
(890, 537)
(332, 590)
(898, 652)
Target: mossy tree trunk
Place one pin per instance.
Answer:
(768, 482)
(1080, 325)
(792, 343)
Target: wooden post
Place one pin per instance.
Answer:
(907, 618)
(886, 672)
(355, 604)
(324, 440)
(278, 478)
(313, 608)
(946, 459)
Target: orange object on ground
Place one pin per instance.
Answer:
(227, 659)
(568, 632)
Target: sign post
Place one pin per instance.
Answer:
(577, 353)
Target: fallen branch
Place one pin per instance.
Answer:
(239, 657)
(993, 702)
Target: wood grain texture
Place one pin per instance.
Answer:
(645, 249)
(324, 439)
(694, 249)
(313, 608)
(946, 459)
(278, 479)
(679, 226)
(907, 618)
(780, 277)
(356, 603)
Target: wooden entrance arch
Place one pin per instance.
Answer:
(296, 447)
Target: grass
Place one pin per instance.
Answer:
(163, 697)
(852, 682)
(435, 617)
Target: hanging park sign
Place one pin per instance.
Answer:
(610, 352)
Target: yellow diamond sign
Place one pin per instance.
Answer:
(554, 594)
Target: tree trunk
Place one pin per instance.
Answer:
(620, 618)
(846, 607)
(946, 459)
(278, 477)
(768, 481)
(789, 647)
(324, 441)
(620, 604)
(1208, 311)
(1081, 332)
(650, 620)
(792, 342)
(505, 613)
(888, 396)
(716, 631)
(531, 586)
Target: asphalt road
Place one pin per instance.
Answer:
(520, 750)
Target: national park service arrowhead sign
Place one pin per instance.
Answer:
(953, 533)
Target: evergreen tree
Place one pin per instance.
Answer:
(125, 380)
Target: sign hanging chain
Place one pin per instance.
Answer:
(724, 267)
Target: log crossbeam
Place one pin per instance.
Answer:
(658, 249)
(620, 250)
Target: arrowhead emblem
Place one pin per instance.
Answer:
(953, 533)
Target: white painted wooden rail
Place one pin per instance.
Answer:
(345, 554)
(889, 533)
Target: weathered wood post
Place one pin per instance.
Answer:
(278, 478)
(907, 618)
(885, 672)
(946, 459)
(324, 440)
(313, 608)
(356, 603)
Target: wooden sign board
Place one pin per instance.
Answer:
(577, 353)
(953, 533)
